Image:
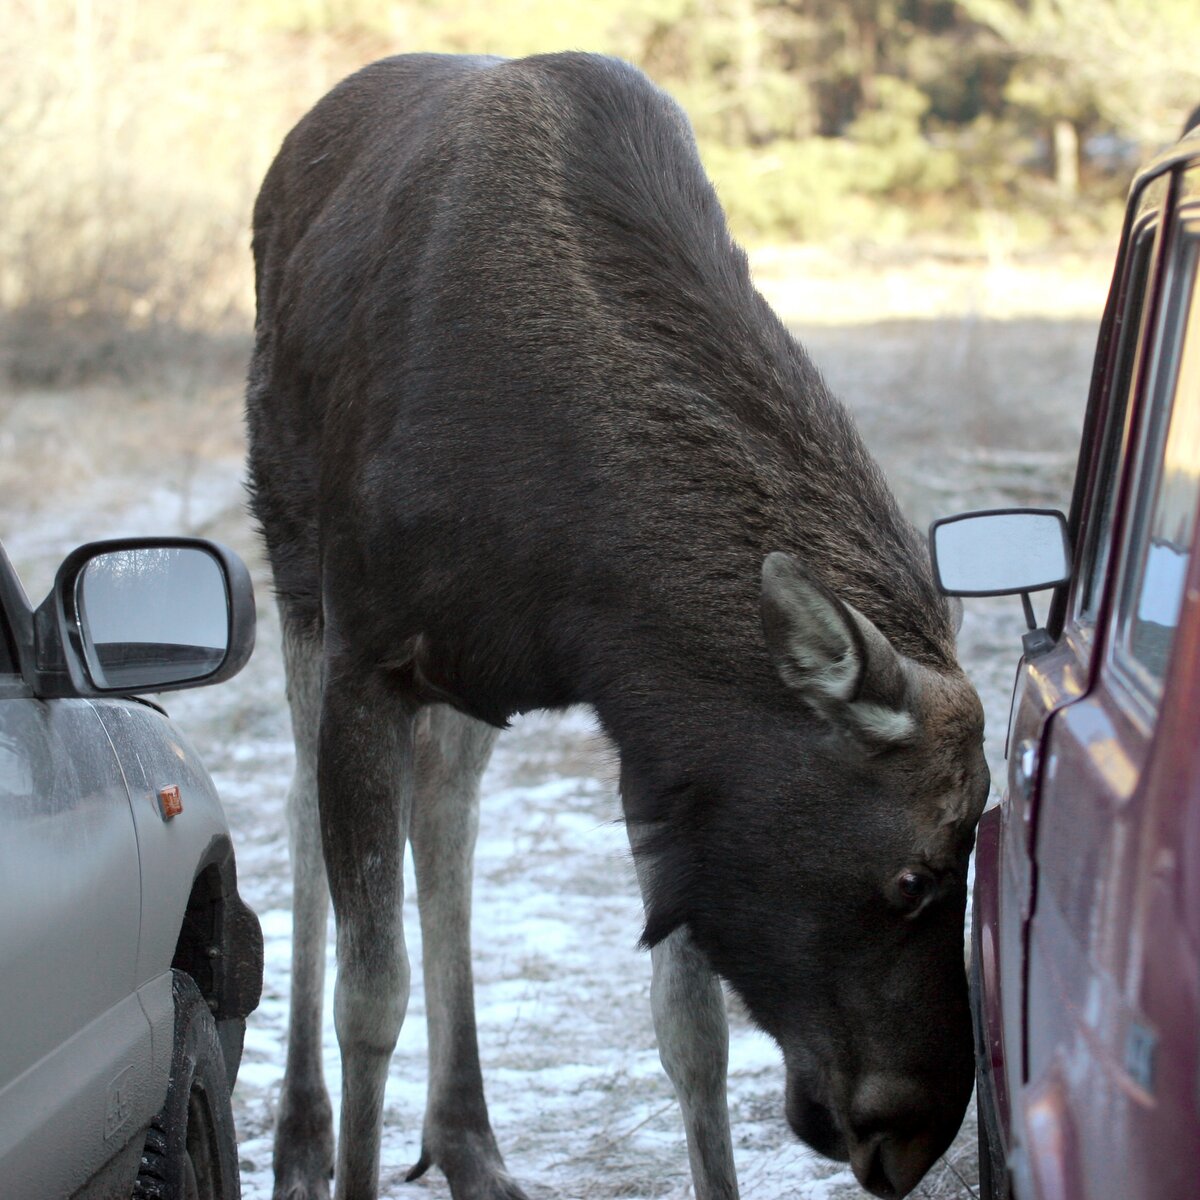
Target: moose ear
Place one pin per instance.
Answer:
(834, 657)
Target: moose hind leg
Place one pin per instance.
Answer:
(451, 753)
(304, 1129)
(365, 778)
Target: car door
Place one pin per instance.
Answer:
(73, 1032)
(1062, 675)
(1084, 757)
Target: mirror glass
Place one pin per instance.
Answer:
(152, 616)
(998, 553)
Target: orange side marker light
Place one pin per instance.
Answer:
(170, 801)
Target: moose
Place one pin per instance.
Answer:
(524, 435)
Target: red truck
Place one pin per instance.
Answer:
(1086, 932)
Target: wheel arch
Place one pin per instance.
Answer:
(220, 947)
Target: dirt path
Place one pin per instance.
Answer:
(964, 411)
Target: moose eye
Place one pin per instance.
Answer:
(913, 887)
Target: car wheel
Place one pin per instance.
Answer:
(191, 1149)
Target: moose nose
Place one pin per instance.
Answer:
(897, 1128)
(890, 1166)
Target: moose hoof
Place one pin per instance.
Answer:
(304, 1152)
(472, 1176)
(294, 1188)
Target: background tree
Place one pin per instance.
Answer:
(1121, 67)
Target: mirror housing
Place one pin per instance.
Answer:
(137, 615)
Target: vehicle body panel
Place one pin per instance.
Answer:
(89, 1099)
(155, 754)
(86, 1058)
(64, 801)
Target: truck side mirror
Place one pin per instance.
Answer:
(1002, 552)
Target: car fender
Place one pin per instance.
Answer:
(191, 915)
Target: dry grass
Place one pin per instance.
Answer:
(134, 139)
(815, 285)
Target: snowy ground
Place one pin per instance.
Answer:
(963, 412)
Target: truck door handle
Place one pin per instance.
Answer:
(1025, 766)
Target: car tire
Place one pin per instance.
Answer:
(993, 1179)
(191, 1148)
(986, 1184)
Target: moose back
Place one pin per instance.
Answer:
(523, 435)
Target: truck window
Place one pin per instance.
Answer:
(1159, 547)
(1099, 535)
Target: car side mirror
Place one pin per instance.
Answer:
(1002, 552)
(144, 615)
(152, 615)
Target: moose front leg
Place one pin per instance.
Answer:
(692, 1028)
(365, 785)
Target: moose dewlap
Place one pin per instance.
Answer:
(523, 435)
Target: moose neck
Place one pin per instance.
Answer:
(682, 716)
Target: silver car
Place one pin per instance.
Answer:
(128, 962)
